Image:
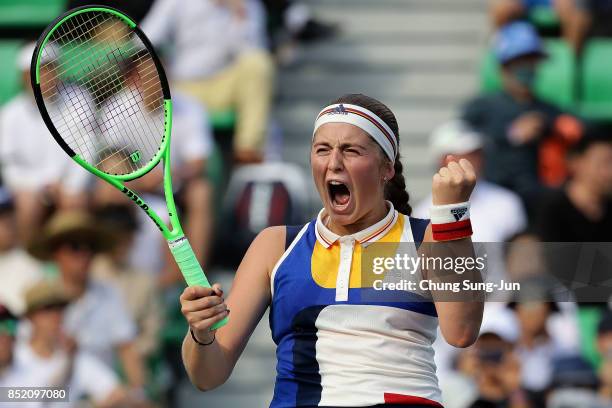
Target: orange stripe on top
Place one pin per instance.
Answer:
(326, 240)
(380, 231)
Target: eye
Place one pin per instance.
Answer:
(353, 151)
(321, 149)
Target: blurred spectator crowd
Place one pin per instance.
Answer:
(88, 288)
(540, 139)
(89, 291)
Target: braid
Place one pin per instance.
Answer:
(395, 190)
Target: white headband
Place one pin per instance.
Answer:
(365, 120)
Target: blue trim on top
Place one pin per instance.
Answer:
(291, 231)
(418, 225)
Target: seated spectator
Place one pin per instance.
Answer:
(497, 368)
(8, 331)
(513, 121)
(585, 207)
(228, 71)
(536, 347)
(50, 358)
(574, 385)
(18, 269)
(98, 319)
(526, 264)
(34, 167)
(572, 15)
(460, 382)
(585, 203)
(138, 288)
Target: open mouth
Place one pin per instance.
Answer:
(339, 194)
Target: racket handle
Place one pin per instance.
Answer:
(190, 268)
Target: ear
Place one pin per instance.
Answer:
(388, 170)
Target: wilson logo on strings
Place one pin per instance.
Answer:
(135, 156)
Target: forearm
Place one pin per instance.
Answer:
(132, 364)
(459, 311)
(207, 366)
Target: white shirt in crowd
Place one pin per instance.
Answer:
(100, 321)
(206, 35)
(89, 378)
(18, 272)
(30, 158)
(192, 137)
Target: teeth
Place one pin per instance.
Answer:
(335, 183)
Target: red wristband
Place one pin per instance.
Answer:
(452, 231)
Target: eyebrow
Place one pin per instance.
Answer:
(342, 145)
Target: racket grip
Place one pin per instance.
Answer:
(190, 268)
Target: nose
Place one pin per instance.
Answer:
(335, 161)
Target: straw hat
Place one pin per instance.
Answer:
(45, 293)
(70, 226)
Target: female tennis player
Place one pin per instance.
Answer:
(334, 347)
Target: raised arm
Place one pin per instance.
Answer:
(459, 314)
(210, 366)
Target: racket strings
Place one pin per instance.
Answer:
(107, 92)
(116, 114)
(67, 63)
(70, 28)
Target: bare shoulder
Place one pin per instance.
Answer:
(271, 239)
(268, 247)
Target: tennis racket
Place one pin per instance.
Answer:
(104, 96)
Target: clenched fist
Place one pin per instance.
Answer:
(454, 182)
(203, 307)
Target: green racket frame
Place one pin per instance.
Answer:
(177, 242)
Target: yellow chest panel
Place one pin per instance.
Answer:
(326, 261)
